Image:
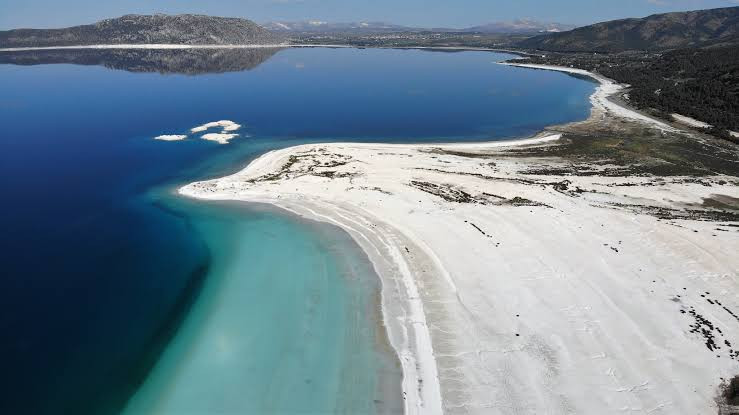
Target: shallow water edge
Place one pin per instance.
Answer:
(289, 312)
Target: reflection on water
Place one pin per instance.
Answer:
(164, 61)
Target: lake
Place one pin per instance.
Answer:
(118, 295)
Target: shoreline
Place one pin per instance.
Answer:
(441, 326)
(601, 98)
(411, 343)
(270, 46)
(407, 329)
(429, 401)
(199, 345)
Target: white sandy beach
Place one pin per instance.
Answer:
(601, 104)
(690, 122)
(511, 292)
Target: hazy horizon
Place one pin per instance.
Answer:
(435, 13)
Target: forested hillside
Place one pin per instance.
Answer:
(698, 83)
(657, 32)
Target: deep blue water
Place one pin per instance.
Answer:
(102, 264)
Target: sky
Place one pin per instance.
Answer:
(424, 13)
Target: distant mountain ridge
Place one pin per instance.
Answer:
(187, 29)
(521, 26)
(321, 26)
(317, 26)
(656, 32)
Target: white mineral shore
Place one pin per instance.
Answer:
(692, 122)
(512, 292)
(170, 137)
(601, 98)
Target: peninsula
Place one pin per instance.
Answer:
(591, 269)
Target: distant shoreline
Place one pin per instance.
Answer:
(266, 46)
(604, 96)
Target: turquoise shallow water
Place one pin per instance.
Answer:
(116, 293)
(287, 322)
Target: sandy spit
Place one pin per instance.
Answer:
(511, 292)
